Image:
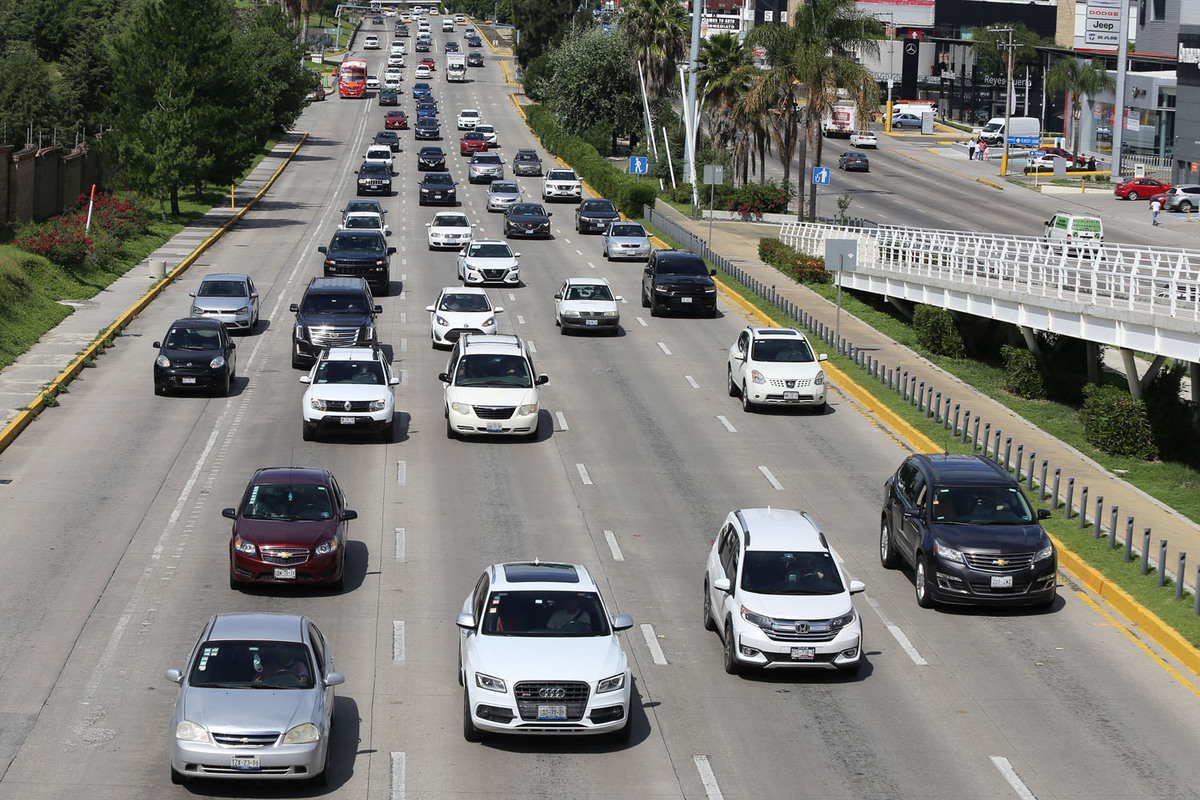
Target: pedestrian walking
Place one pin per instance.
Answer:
(983, 150)
(1155, 206)
(971, 150)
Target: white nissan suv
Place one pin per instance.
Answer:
(777, 594)
(491, 387)
(539, 652)
(775, 366)
(561, 183)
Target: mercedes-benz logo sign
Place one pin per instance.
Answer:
(910, 48)
(552, 693)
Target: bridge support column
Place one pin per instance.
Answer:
(1131, 375)
(1031, 341)
(903, 307)
(1093, 363)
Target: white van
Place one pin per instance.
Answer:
(993, 133)
(1069, 227)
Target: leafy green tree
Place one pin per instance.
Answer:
(28, 92)
(590, 82)
(1078, 79)
(270, 53)
(658, 33)
(990, 56)
(540, 24)
(774, 96)
(725, 70)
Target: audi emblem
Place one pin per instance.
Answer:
(552, 693)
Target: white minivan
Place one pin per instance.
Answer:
(994, 132)
(1068, 227)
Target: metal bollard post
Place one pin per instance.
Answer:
(987, 437)
(904, 386)
(898, 367)
(946, 416)
(1196, 600)
(1042, 481)
(1020, 460)
(966, 424)
(1096, 517)
(930, 410)
(1162, 562)
(1054, 491)
(889, 379)
(919, 398)
(996, 449)
(1112, 527)
(1179, 575)
(1070, 497)
(1146, 551)
(1129, 538)
(1007, 452)
(1029, 474)
(938, 402)
(975, 436)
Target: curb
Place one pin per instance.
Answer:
(23, 419)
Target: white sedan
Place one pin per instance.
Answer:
(449, 229)
(459, 310)
(423, 71)
(489, 261)
(467, 119)
(587, 304)
(392, 82)
(864, 139)
(372, 81)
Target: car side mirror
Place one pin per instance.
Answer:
(622, 622)
(648, 270)
(376, 309)
(857, 586)
(333, 679)
(428, 224)
(294, 308)
(549, 214)
(387, 232)
(466, 621)
(430, 309)
(823, 357)
(174, 676)
(1043, 513)
(619, 299)
(322, 249)
(355, 172)
(157, 345)
(394, 381)
(558, 296)
(391, 251)
(349, 514)
(722, 584)
(444, 377)
(541, 379)
(516, 255)
(305, 379)
(498, 309)
(232, 346)
(229, 513)
(191, 294)
(712, 273)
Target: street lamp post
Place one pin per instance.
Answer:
(1008, 96)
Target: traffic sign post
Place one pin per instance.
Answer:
(820, 177)
(639, 165)
(713, 174)
(1035, 154)
(841, 255)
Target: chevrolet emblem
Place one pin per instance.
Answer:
(1001, 562)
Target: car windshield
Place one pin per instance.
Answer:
(339, 303)
(798, 572)
(222, 289)
(682, 266)
(598, 205)
(498, 250)
(364, 205)
(431, 153)
(981, 505)
(439, 178)
(365, 372)
(287, 501)
(588, 291)
(626, 230)
(464, 303)
(527, 156)
(504, 187)
(791, 348)
(374, 168)
(184, 338)
(451, 221)
(368, 221)
(493, 370)
(252, 665)
(561, 175)
(485, 158)
(544, 613)
(369, 242)
(527, 210)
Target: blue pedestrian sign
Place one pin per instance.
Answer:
(639, 165)
(1024, 141)
(820, 176)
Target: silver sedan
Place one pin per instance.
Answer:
(502, 194)
(255, 701)
(626, 240)
(228, 298)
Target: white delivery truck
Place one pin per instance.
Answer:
(841, 120)
(456, 67)
(994, 132)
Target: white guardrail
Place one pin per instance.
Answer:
(1143, 298)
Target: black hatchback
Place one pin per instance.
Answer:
(968, 531)
(196, 355)
(431, 159)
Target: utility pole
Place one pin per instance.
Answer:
(1118, 126)
(1008, 95)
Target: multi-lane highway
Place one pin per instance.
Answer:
(116, 552)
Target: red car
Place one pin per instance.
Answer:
(1139, 188)
(472, 143)
(395, 120)
(428, 61)
(289, 528)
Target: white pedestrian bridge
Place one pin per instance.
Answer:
(1132, 297)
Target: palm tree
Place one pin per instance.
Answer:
(774, 96)
(1078, 78)
(657, 32)
(723, 73)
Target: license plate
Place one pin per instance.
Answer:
(590, 322)
(804, 653)
(494, 427)
(1002, 581)
(187, 380)
(346, 420)
(685, 299)
(244, 762)
(284, 573)
(791, 395)
(552, 712)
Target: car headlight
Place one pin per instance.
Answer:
(843, 620)
(530, 408)
(660, 288)
(948, 553)
(755, 619)
(217, 363)
(711, 290)
(819, 379)
(460, 408)
(611, 684)
(188, 731)
(369, 333)
(197, 310)
(325, 548)
(1044, 553)
(570, 313)
(316, 404)
(162, 361)
(612, 313)
(757, 377)
(440, 320)
(490, 683)
(300, 332)
(378, 405)
(243, 310)
(490, 322)
(304, 733)
(244, 547)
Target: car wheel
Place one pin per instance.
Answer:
(322, 777)
(228, 390)
(460, 671)
(732, 666)
(470, 732)
(607, 257)
(888, 557)
(338, 586)
(819, 410)
(654, 309)
(1185, 206)
(712, 313)
(176, 777)
(645, 299)
(1133, 196)
(308, 431)
(856, 667)
(747, 406)
(297, 362)
(710, 624)
(924, 598)
(385, 433)
(623, 733)
(450, 433)
(1048, 603)
(234, 583)
(730, 386)
(159, 389)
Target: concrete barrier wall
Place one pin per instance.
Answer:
(39, 184)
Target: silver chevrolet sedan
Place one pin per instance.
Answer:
(228, 298)
(255, 701)
(626, 240)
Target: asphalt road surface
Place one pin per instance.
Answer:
(116, 552)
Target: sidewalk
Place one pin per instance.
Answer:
(59, 354)
(737, 242)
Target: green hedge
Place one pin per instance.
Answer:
(1021, 374)
(624, 189)
(792, 263)
(1116, 423)
(936, 331)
